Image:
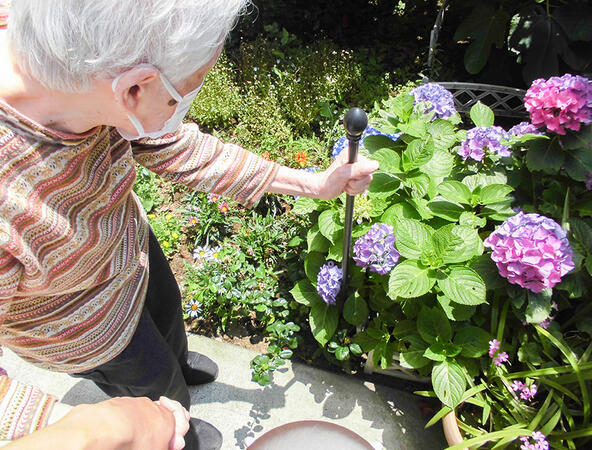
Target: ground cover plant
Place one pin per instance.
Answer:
(471, 260)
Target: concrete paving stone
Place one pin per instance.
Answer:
(243, 411)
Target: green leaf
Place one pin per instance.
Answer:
(411, 237)
(433, 326)
(413, 358)
(582, 231)
(471, 220)
(415, 128)
(488, 272)
(305, 293)
(449, 382)
(342, 353)
(305, 205)
(383, 184)
(323, 322)
(402, 106)
(539, 306)
(378, 142)
(445, 209)
(316, 241)
(531, 353)
(419, 184)
(484, 179)
(312, 265)
(355, 310)
(494, 193)
(399, 211)
(455, 191)
(457, 243)
(440, 165)
(367, 341)
(355, 349)
(443, 133)
(473, 340)
(329, 224)
(455, 311)
(463, 285)
(482, 115)
(388, 159)
(409, 280)
(404, 328)
(579, 163)
(435, 352)
(418, 153)
(545, 155)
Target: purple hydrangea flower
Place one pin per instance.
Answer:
(342, 142)
(540, 442)
(560, 103)
(376, 249)
(531, 250)
(441, 101)
(329, 282)
(524, 128)
(482, 139)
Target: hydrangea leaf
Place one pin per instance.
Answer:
(336, 250)
(494, 193)
(409, 280)
(482, 115)
(579, 163)
(316, 241)
(415, 128)
(484, 179)
(473, 340)
(383, 354)
(383, 184)
(443, 134)
(449, 383)
(418, 153)
(312, 265)
(367, 341)
(470, 219)
(488, 271)
(305, 293)
(305, 205)
(412, 237)
(455, 191)
(323, 322)
(463, 285)
(388, 160)
(377, 142)
(419, 184)
(404, 328)
(413, 358)
(545, 155)
(445, 209)
(401, 105)
(440, 165)
(399, 211)
(538, 307)
(457, 243)
(455, 311)
(433, 326)
(329, 224)
(355, 310)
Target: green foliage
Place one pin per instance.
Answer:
(146, 187)
(167, 229)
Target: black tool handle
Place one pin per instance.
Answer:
(355, 123)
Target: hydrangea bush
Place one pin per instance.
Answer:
(468, 265)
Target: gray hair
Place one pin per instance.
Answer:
(65, 44)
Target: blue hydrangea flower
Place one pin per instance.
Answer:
(342, 142)
(482, 139)
(329, 282)
(441, 101)
(524, 128)
(193, 308)
(376, 249)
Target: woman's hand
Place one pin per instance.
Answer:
(343, 177)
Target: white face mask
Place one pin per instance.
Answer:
(173, 123)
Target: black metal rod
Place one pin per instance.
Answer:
(355, 123)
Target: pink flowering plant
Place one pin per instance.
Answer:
(460, 270)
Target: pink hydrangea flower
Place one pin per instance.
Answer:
(560, 103)
(531, 250)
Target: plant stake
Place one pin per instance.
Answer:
(355, 123)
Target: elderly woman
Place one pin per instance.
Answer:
(88, 89)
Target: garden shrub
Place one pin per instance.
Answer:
(447, 206)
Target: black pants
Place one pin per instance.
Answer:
(150, 366)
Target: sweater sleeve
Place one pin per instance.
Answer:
(23, 409)
(203, 162)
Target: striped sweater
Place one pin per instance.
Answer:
(73, 236)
